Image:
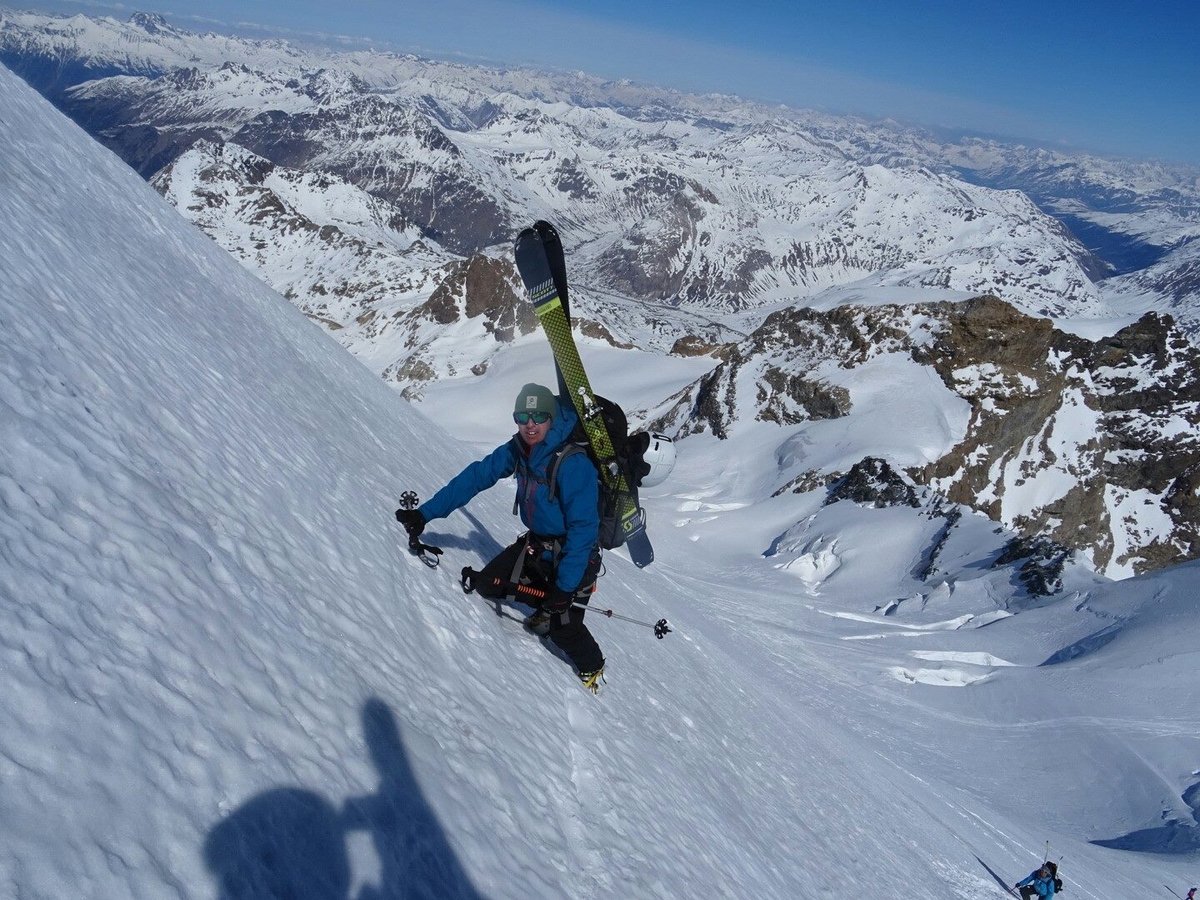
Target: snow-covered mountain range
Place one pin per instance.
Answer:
(675, 196)
(379, 192)
(224, 676)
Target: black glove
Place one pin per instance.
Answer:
(467, 578)
(412, 520)
(558, 601)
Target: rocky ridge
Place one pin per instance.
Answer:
(1089, 444)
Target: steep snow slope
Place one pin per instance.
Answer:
(224, 678)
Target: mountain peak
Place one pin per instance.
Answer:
(152, 23)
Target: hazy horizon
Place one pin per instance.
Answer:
(1109, 85)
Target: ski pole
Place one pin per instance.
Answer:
(469, 584)
(427, 553)
(661, 627)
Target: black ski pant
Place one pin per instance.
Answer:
(567, 631)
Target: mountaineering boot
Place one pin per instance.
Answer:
(593, 680)
(538, 622)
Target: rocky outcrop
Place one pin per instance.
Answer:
(1041, 564)
(482, 288)
(1030, 386)
(873, 482)
(692, 345)
(775, 362)
(1092, 445)
(786, 398)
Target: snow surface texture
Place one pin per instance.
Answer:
(225, 678)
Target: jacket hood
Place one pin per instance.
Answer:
(561, 427)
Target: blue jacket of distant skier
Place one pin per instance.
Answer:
(1043, 886)
(573, 514)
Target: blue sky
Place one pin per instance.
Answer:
(1109, 76)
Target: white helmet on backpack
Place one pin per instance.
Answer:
(660, 457)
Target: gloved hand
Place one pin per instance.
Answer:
(558, 601)
(467, 578)
(412, 520)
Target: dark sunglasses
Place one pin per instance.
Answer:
(524, 418)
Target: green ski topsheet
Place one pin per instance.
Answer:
(549, 309)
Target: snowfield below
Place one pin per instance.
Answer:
(225, 677)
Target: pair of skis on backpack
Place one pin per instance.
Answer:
(541, 264)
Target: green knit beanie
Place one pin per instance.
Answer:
(536, 398)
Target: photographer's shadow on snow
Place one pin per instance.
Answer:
(291, 842)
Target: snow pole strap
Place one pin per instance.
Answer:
(427, 553)
(470, 582)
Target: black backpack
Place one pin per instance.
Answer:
(1058, 885)
(628, 450)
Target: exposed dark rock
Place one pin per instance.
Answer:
(482, 286)
(951, 514)
(713, 405)
(873, 481)
(809, 399)
(808, 481)
(690, 345)
(593, 329)
(1041, 573)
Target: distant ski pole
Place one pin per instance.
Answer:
(427, 553)
(470, 581)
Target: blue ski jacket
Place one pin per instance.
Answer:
(572, 515)
(1043, 886)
